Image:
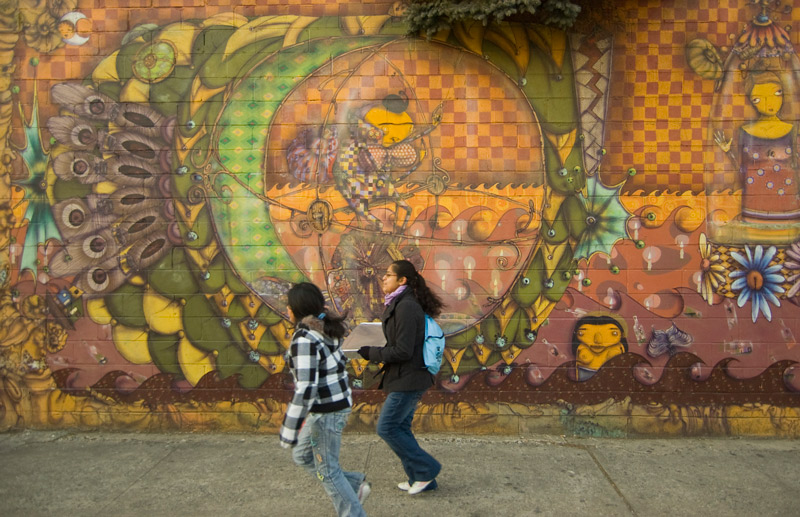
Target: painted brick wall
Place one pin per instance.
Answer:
(610, 214)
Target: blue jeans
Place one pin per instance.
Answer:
(394, 426)
(317, 451)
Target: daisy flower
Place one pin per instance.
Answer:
(712, 272)
(757, 281)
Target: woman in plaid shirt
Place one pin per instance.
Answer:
(321, 403)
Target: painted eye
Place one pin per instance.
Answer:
(779, 93)
(615, 333)
(73, 216)
(94, 246)
(756, 100)
(551, 233)
(479, 339)
(562, 171)
(500, 342)
(549, 283)
(526, 280)
(80, 167)
(98, 279)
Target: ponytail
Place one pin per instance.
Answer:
(431, 304)
(305, 299)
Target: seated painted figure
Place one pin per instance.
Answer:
(595, 340)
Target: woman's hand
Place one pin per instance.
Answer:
(364, 352)
(721, 141)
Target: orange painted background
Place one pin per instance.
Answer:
(611, 217)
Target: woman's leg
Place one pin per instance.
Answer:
(326, 441)
(394, 427)
(302, 453)
(304, 456)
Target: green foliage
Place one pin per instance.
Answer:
(164, 351)
(432, 16)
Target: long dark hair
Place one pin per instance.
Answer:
(306, 299)
(431, 304)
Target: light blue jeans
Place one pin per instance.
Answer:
(317, 451)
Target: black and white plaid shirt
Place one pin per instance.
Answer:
(317, 364)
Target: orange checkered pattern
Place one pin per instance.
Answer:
(658, 107)
(112, 19)
(486, 135)
(657, 111)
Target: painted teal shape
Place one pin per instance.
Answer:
(242, 143)
(41, 225)
(606, 219)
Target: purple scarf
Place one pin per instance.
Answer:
(394, 294)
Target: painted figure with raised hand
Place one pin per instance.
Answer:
(767, 158)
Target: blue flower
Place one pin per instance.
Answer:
(758, 281)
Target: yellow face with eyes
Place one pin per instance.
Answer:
(767, 98)
(395, 126)
(597, 344)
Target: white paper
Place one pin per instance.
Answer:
(365, 334)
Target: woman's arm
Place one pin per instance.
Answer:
(306, 372)
(400, 349)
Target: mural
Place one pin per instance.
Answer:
(164, 194)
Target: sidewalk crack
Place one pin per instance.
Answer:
(611, 481)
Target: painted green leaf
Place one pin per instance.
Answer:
(164, 352)
(207, 42)
(203, 326)
(171, 276)
(126, 305)
(574, 214)
(490, 330)
(528, 288)
(267, 316)
(252, 376)
(269, 345)
(216, 278)
(560, 280)
(462, 339)
(515, 328)
(230, 361)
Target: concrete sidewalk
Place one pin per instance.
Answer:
(63, 473)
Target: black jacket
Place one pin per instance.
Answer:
(404, 329)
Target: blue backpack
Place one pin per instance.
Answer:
(433, 348)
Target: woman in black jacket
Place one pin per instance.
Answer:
(405, 377)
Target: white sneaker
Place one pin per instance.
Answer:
(404, 486)
(364, 489)
(422, 486)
